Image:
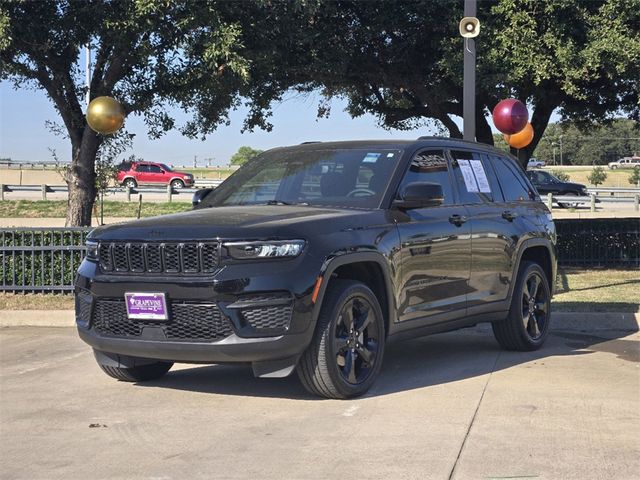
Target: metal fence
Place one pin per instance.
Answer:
(46, 259)
(602, 242)
(40, 259)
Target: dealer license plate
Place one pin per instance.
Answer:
(146, 306)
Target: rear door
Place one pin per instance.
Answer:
(435, 247)
(492, 233)
(142, 173)
(156, 175)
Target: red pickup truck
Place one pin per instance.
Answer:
(132, 174)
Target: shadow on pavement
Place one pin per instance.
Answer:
(419, 363)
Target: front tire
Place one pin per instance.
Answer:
(345, 355)
(527, 325)
(140, 373)
(177, 184)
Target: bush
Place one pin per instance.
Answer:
(634, 178)
(561, 175)
(597, 176)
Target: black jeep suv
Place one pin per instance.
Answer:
(311, 258)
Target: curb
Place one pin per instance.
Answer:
(575, 321)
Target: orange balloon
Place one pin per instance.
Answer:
(520, 139)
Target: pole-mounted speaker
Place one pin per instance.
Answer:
(469, 27)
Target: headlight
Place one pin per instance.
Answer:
(92, 249)
(275, 249)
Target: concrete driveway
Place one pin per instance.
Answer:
(447, 406)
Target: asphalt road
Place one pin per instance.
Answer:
(447, 406)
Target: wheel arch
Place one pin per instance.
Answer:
(367, 267)
(541, 252)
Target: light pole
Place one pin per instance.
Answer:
(561, 150)
(469, 30)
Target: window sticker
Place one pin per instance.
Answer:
(481, 176)
(371, 158)
(390, 155)
(469, 177)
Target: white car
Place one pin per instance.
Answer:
(626, 162)
(535, 163)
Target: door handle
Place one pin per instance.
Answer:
(457, 220)
(509, 215)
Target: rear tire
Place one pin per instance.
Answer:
(345, 355)
(140, 373)
(527, 325)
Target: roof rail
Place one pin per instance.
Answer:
(306, 143)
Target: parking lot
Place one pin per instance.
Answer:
(446, 406)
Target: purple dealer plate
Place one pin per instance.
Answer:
(146, 306)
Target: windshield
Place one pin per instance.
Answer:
(348, 177)
(166, 168)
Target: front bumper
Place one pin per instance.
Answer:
(219, 319)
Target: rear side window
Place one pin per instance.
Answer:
(473, 177)
(142, 168)
(514, 186)
(430, 166)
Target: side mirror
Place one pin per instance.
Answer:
(420, 195)
(199, 195)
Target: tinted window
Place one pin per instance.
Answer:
(142, 168)
(154, 169)
(514, 186)
(430, 166)
(341, 177)
(472, 177)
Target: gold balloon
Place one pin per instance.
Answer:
(105, 115)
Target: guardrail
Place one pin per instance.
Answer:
(44, 189)
(591, 200)
(614, 190)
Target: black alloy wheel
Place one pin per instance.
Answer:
(535, 308)
(345, 355)
(356, 342)
(527, 324)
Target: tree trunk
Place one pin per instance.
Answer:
(80, 180)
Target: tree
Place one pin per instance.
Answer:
(634, 178)
(243, 155)
(204, 57)
(596, 144)
(597, 176)
(402, 60)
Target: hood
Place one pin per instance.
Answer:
(240, 222)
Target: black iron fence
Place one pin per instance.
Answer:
(602, 242)
(40, 259)
(46, 259)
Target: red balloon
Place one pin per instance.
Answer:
(510, 116)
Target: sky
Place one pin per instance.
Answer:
(25, 137)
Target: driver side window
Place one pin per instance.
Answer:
(430, 166)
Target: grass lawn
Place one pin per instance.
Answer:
(576, 291)
(597, 291)
(209, 173)
(615, 178)
(58, 208)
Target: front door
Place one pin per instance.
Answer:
(435, 243)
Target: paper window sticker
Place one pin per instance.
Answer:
(467, 175)
(481, 176)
